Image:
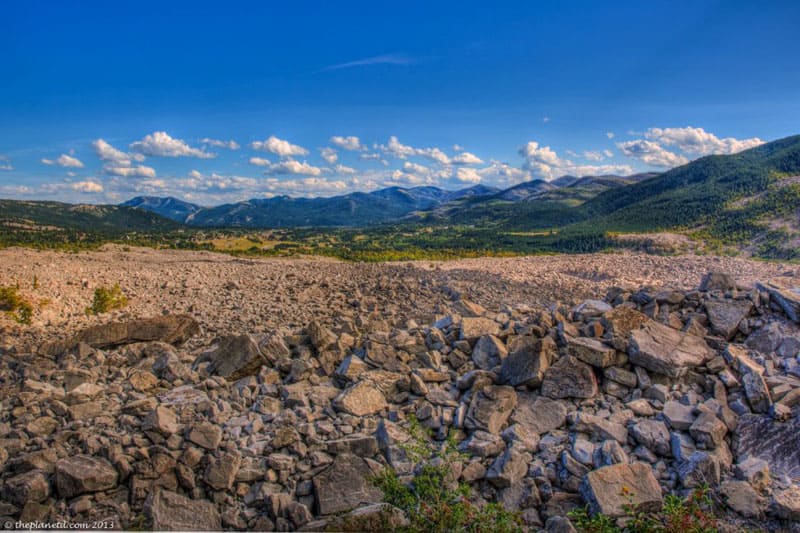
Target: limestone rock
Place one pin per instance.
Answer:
(361, 399)
(593, 352)
(666, 351)
(569, 378)
(788, 297)
(80, 474)
(169, 511)
(490, 408)
(725, 315)
(474, 327)
(527, 364)
(775, 442)
(488, 352)
(609, 489)
(344, 485)
(172, 329)
(237, 356)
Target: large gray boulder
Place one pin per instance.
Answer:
(569, 378)
(80, 474)
(172, 329)
(775, 442)
(725, 315)
(238, 356)
(361, 399)
(169, 511)
(608, 490)
(527, 364)
(666, 351)
(345, 485)
(787, 297)
(490, 408)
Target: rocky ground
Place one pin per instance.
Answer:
(263, 394)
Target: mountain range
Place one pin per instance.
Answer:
(750, 199)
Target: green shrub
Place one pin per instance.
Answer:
(432, 501)
(106, 300)
(15, 305)
(693, 514)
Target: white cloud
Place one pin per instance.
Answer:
(398, 150)
(342, 169)
(388, 59)
(545, 120)
(351, 143)
(87, 186)
(307, 186)
(468, 175)
(651, 153)
(329, 155)
(292, 166)
(160, 144)
(594, 155)
(279, 147)
(610, 134)
(65, 161)
(140, 171)
(260, 162)
(106, 152)
(697, 141)
(458, 148)
(5, 163)
(408, 166)
(544, 162)
(230, 145)
(466, 158)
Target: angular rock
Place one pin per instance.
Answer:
(238, 356)
(678, 416)
(619, 323)
(344, 485)
(788, 297)
(708, 430)
(206, 435)
(169, 511)
(30, 487)
(569, 378)
(80, 474)
(508, 469)
(608, 490)
(527, 364)
(742, 498)
(775, 442)
(474, 327)
(161, 419)
(757, 392)
(593, 352)
(786, 503)
(490, 408)
(172, 329)
(600, 428)
(717, 281)
(539, 414)
(700, 468)
(653, 435)
(488, 352)
(221, 471)
(590, 309)
(361, 399)
(666, 351)
(725, 315)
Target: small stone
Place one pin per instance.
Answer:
(206, 435)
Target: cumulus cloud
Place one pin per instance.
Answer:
(139, 171)
(544, 162)
(65, 161)
(160, 144)
(5, 163)
(292, 166)
(610, 134)
(697, 141)
(398, 150)
(342, 169)
(260, 162)
(279, 147)
(351, 143)
(230, 145)
(651, 153)
(468, 175)
(87, 186)
(458, 148)
(329, 155)
(108, 153)
(466, 158)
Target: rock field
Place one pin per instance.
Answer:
(263, 394)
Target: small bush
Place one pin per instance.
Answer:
(432, 501)
(691, 515)
(15, 305)
(106, 300)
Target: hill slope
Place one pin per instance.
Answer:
(168, 207)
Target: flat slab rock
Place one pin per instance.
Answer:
(170, 511)
(788, 297)
(609, 489)
(345, 485)
(775, 442)
(172, 329)
(666, 351)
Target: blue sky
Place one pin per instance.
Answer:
(101, 101)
